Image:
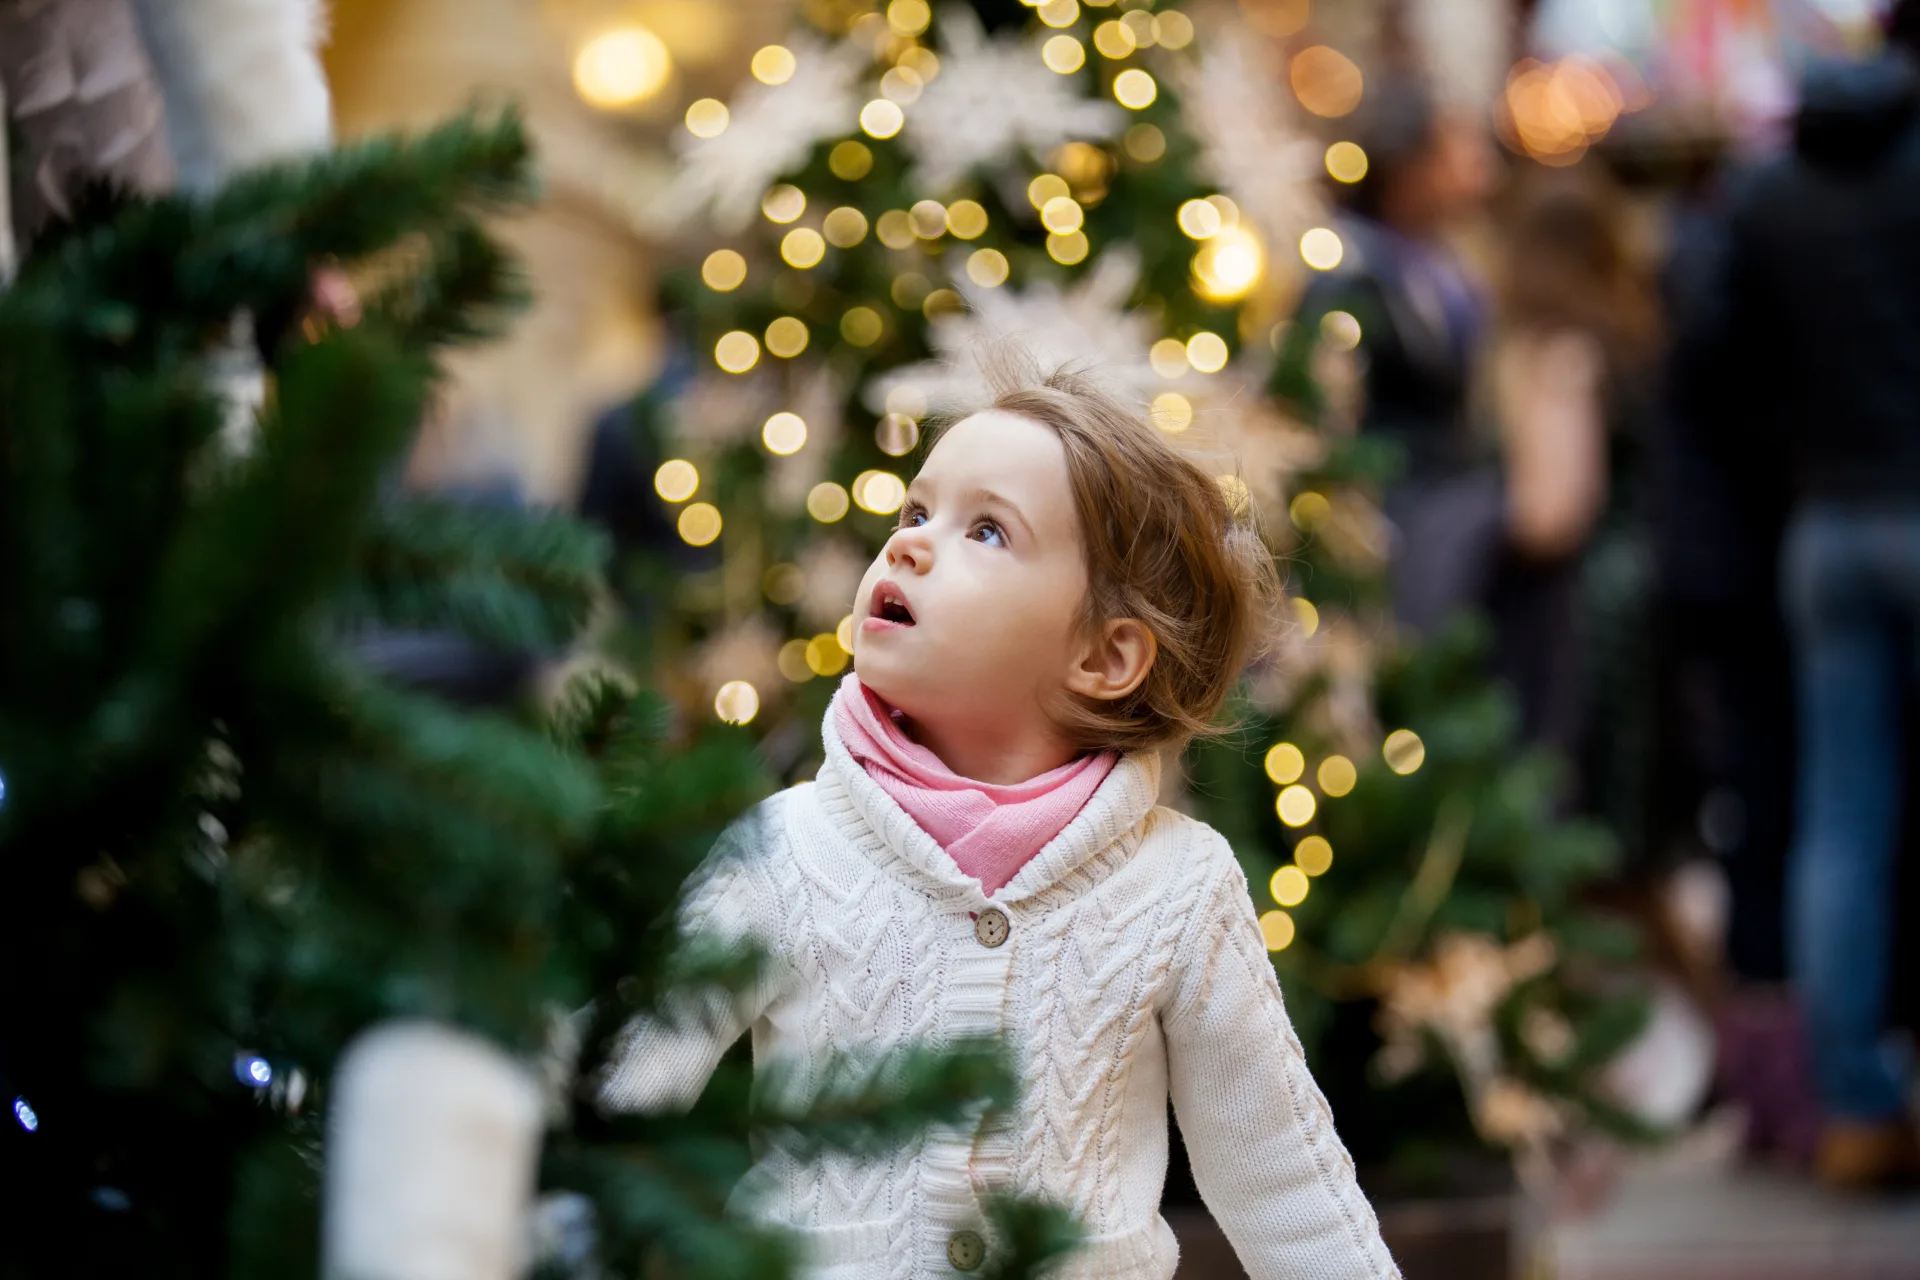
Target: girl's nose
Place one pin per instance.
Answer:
(909, 547)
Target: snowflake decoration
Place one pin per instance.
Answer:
(990, 98)
(1084, 325)
(771, 129)
(1252, 146)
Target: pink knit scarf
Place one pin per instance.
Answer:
(989, 831)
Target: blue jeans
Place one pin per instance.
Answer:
(1852, 595)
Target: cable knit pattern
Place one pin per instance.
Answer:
(1132, 971)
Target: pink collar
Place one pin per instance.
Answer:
(990, 831)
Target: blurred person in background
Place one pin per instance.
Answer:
(1814, 338)
(1421, 322)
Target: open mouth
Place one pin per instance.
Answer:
(890, 605)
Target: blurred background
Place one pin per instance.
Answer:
(1569, 351)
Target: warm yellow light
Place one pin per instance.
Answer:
(1198, 219)
(793, 662)
(676, 480)
(1307, 615)
(827, 502)
(845, 227)
(1346, 162)
(1295, 806)
(902, 85)
(1276, 930)
(1321, 249)
(850, 161)
(1224, 206)
(1134, 89)
(987, 268)
(1207, 352)
(773, 64)
(1139, 25)
(1172, 412)
(1337, 776)
(1326, 81)
(1045, 187)
(966, 219)
(1313, 855)
(1341, 330)
(843, 634)
(1288, 886)
(894, 228)
(942, 302)
(1062, 215)
(1145, 143)
(1068, 249)
(896, 434)
(1236, 492)
(699, 523)
(929, 218)
(787, 337)
(1285, 763)
(1063, 54)
(909, 17)
(621, 67)
(1309, 511)
(862, 326)
(783, 583)
(909, 289)
(1059, 13)
(724, 270)
(783, 203)
(1229, 264)
(922, 61)
(1113, 40)
(803, 247)
(826, 656)
(784, 433)
(1403, 751)
(737, 702)
(882, 119)
(1173, 29)
(909, 400)
(880, 492)
(1168, 357)
(707, 118)
(737, 352)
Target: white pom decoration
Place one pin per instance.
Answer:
(431, 1149)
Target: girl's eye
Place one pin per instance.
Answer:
(912, 516)
(988, 532)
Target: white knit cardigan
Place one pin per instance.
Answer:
(1130, 968)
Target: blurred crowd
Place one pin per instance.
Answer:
(1663, 431)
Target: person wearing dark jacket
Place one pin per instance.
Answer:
(1818, 346)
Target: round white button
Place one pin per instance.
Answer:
(966, 1250)
(990, 927)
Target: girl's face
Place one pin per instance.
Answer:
(970, 617)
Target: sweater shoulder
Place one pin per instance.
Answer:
(1188, 848)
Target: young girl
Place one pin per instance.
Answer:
(1066, 597)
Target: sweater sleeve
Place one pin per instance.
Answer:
(665, 1059)
(1265, 1155)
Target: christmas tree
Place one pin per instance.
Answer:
(898, 186)
(260, 884)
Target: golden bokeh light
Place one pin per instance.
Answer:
(881, 118)
(1113, 40)
(699, 523)
(850, 161)
(1168, 357)
(845, 227)
(1313, 855)
(784, 203)
(1285, 763)
(1229, 264)
(676, 480)
(1069, 249)
(1198, 219)
(1172, 412)
(737, 352)
(826, 656)
(1058, 13)
(793, 662)
(1235, 490)
(862, 326)
(909, 17)
(773, 64)
(1321, 249)
(902, 85)
(621, 67)
(803, 247)
(922, 61)
(737, 702)
(1145, 143)
(843, 633)
(1341, 330)
(1139, 25)
(827, 502)
(894, 228)
(909, 400)
(1346, 162)
(1289, 886)
(943, 302)
(786, 337)
(1309, 511)
(1134, 89)
(1062, 215)
(1326, 81)
(1207, 352)
(880, 492)
(987, 268)
(896, 434)
(785, 433)
(724, 270)
(1173, 29)
(707, 118)
(929, 219)
(1307, 616)
(1337, 776)
(1063, 55)
(967, 219)
(1276, 930)
(1296, 806)
(1404, 752)
(1045, 187)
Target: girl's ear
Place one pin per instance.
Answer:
(1113, 661)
